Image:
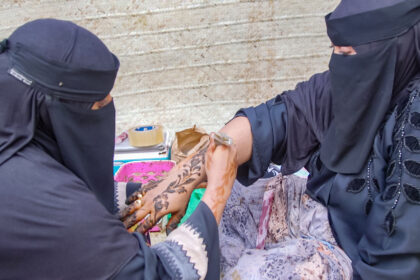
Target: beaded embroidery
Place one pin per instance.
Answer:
(358, 184)
(395, 167)
(413, 168)
(412, 144)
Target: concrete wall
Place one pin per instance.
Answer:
(198, 61)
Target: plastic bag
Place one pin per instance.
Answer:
(187, 142)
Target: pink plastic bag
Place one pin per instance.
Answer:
(143, 171)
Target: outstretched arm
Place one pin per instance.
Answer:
(172, 194)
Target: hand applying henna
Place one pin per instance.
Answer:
(221, 167)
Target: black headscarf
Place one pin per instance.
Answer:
(66, 68)
(363, 87)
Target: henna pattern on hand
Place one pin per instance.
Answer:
(150, 186)
(190, 173)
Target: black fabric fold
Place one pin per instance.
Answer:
(3, 45)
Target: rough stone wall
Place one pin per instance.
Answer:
(197, 61)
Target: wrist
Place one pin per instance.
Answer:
(215, 199)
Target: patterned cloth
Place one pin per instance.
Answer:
(298, 242)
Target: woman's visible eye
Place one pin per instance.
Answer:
(344, 50)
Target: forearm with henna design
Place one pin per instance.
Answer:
(220, 194)
(191, 171)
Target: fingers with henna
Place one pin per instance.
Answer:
(137, 204)
(174, 221)
(148, 222)
(134, 218)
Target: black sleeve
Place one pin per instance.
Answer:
(287, 129)
(189, 252)
(268, 125)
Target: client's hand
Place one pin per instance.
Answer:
(170, 195)
(221, 170)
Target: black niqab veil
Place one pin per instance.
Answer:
(73, 69)
(365, 86)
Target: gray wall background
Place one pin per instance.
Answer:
(198, 61)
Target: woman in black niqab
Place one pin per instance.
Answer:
(69, 69)
(385, 62)
(363, 87)
(56, 160)
(356, 128)
(56, 155)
